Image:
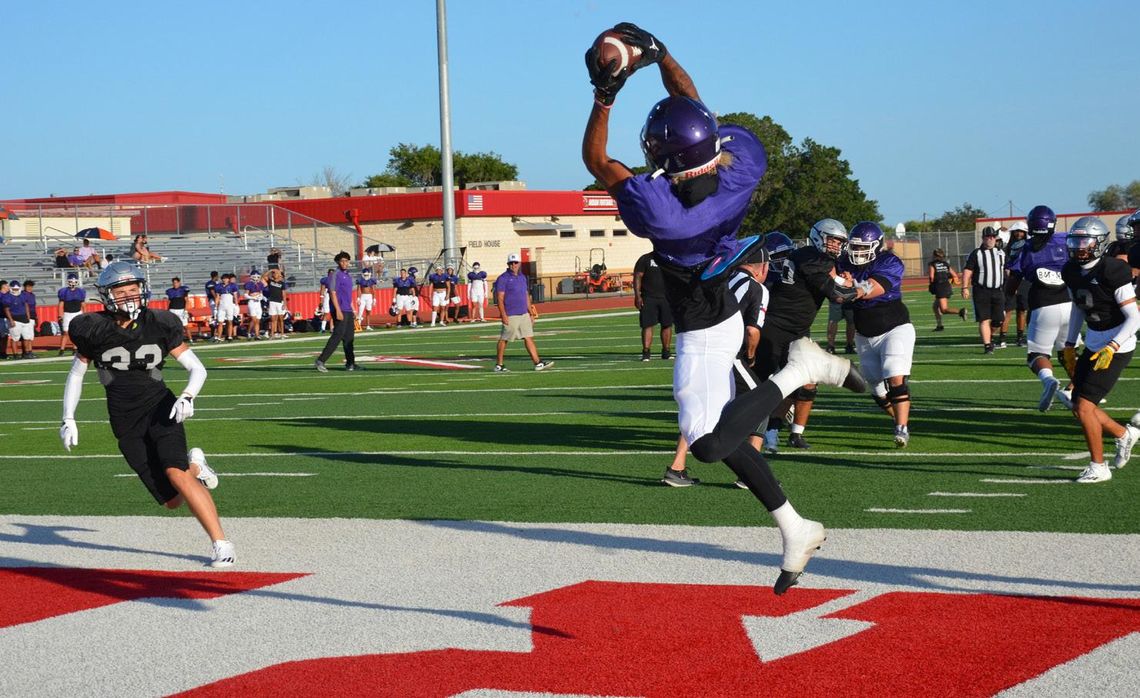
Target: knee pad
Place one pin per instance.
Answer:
(882, 402)
(898, 393)
(1033, 356)
(805, 394)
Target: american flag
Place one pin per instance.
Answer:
(474, 202)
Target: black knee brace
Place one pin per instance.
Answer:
(1032, 358)
(883, 402)
(805, 394)
(898, 393)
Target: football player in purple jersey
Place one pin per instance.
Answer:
(71, 299)
(129, 343)
(690, 206)
(884, 335)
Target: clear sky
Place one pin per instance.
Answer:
(933, 103)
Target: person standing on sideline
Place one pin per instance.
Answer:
(690, 205)
(340, 300)
(440, 291)
(405, 299)
(649, 299)
(454, 300)
(983, 277)
(367, 300)
(6, 351)
(942, 277)
(71, 299)
(477, 293)
(176, 304)
(254, 294)
(276, 294)
(512, 298)
(1017, 302)
(1103, 295)
(212, 297)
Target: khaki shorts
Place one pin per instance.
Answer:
(517, 327)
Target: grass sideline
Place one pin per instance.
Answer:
(583, 442)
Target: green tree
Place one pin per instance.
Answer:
(1116, 197)
(422, 166)
(961, 218)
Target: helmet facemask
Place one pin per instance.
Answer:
(121, 300)
(862, 252)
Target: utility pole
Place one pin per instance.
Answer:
(449, 246)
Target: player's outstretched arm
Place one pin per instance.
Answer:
(72, 390)
(184, 406)
(677, 82)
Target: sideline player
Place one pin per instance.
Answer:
(1103, 296)
(324, 311)
(1039, 264)
(477, 293)
(405, 287)
(367, 299)
(700, 171)
(21, 321)
(649, 299)
(942, 278)
(129, 344)
(176, 304)
(71, 299)
(277, 295)
(1017, 302)
(884, 335)
(227, 309)
(212, 300)
(254, 294)
(454, 300)
(440, 290)
(344, 325)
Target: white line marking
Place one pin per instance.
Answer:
(241, 475)
(876, 510)
(977, 494)
(1028, 481)
(1076, 468)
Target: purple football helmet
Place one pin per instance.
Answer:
(863, 243)
(1041, 221)
(779, 246)
(680, 135)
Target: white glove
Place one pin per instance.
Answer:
(183, 409)
(69, 434)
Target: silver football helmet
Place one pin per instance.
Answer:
(1124, 230)
(121, 273)
(1086, 239)
(828, 228)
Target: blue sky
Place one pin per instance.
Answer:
(933, 104)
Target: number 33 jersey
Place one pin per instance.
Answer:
(129, 359)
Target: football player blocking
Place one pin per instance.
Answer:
(128, 343)
(690, 207)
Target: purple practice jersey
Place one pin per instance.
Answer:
(404, 287)
(883, 313)
(1042, 269)
(687, 237)
(177, 297)
(365, 284)
(72, 299)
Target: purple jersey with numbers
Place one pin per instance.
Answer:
(883, 313)
(690, 236)
(1042, 269)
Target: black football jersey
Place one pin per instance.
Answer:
(130, 359)
(800, 290)
(941, 272)
(1094, 290)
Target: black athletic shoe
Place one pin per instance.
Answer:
(320, 366)
(962, 313)
(849, 349)
(353, 367)
(797, 441)
(830, 348)
(499, 368)
(645, 356)
(679, 478)
(989, 349)
(1022, 341)
(940, 328)
(666, 355)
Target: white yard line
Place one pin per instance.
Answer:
(1027, 481)
(240, 475)
(976, 494)
(876, 510)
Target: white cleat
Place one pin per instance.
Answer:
(1095, 472)
(206, 475)
(902, 436)
(1135, 421)
(821, 367)
(1065, 397)
(224, 554)
(799, 546)
(1047, 394)
(1124, 446)
(772, 441)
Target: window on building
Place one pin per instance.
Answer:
(597, 233)
(567, 233)
(619, 232)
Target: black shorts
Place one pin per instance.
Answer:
(655, 311)
(1092, 385)
(941, 290)
(154, 444)
(989, 304)
(772, 352)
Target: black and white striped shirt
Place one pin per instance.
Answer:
(987, 267)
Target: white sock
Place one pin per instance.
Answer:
(434, 317)
(1045, 374)
(798, 428)
(789, 379)
(786, 517)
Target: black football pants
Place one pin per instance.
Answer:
(343, 330)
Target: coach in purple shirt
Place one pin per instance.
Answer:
(512, 296)
(340, 284)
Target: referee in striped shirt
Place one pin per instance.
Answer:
(984, 276)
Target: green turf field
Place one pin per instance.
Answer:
(586, 441)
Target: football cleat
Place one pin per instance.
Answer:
(1048, 393)
(772, 441)
(320, 366)
(206, 474)
(1124, 446)
(499, 368)
(679, 478)
(902, 436)
(1095, 472)
(1065, 397)
(645, 356)
(666, 355)
(799, 545)
(543, 365)
(798, 441)
(224, 554)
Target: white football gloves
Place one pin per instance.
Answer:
(183, 409)
(69, 434)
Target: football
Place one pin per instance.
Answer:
(611, 47)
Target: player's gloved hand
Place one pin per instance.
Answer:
(69, 434)
(652, 50)
(1069, 358)
(606, 84)
(1103, 358)
(183, 409)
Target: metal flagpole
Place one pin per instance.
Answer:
(449, 246)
